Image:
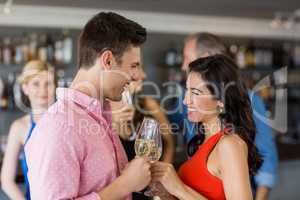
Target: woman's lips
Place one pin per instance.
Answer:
(192, 110)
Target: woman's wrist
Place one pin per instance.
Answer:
(182, 192)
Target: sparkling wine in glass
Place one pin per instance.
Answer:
(148, 140)
(149, 143)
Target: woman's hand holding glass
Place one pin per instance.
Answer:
(167, 176)
(122, 115)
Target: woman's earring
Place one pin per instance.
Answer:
(221, 110)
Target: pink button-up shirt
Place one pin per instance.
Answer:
(73, 152)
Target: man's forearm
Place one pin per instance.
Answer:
(117, 190)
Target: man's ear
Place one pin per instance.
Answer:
(105, 60)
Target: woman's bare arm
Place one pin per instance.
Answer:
(232, 155)
(10, 161)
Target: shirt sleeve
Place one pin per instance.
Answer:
(54, 164)
(265, 143)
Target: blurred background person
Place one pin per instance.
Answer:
(127, 119)
(204, 44)
(38, 86)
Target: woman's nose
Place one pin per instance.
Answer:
(44, 89)
(187, 99)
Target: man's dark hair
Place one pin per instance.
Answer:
(208, 43)
(108, 31)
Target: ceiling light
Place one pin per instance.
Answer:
(286, 20)
(277, 22)
(7, 7)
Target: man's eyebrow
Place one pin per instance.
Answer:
(136, 63)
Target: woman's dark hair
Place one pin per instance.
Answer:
(224, 82)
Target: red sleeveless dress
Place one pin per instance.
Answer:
(195, 174)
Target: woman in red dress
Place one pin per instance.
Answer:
(222, 153)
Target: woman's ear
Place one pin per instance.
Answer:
(220, 104)
(220, 107)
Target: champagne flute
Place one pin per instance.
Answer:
(149, 143)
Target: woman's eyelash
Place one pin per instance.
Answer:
(194, 92)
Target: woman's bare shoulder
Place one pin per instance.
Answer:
(151, 103)
(20, 124)
(232, 142)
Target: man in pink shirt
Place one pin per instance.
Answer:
(73, 152)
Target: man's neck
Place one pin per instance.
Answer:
(84, 83)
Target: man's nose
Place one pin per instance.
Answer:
(134, 76)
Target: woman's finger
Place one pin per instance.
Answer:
(157, 176)
(156, 179)
(124, 117)
(158, 167)
(157, 170)
(158, 164)
(125, 114)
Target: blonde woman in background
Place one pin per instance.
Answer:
(38, 86)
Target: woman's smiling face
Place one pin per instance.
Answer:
(201, 104)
